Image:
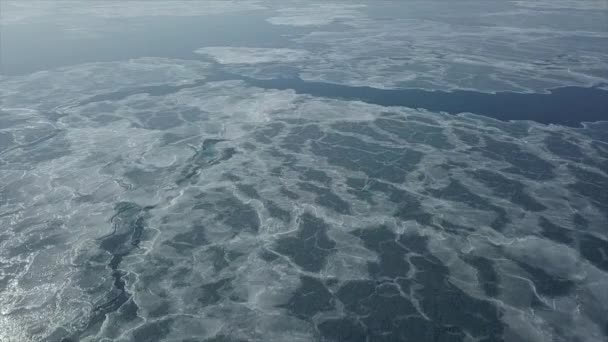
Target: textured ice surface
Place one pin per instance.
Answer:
(164, 199)
(522, 45)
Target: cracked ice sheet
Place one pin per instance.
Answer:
(50, 217)
(267, 209)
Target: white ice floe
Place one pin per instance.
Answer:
(249, 55)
